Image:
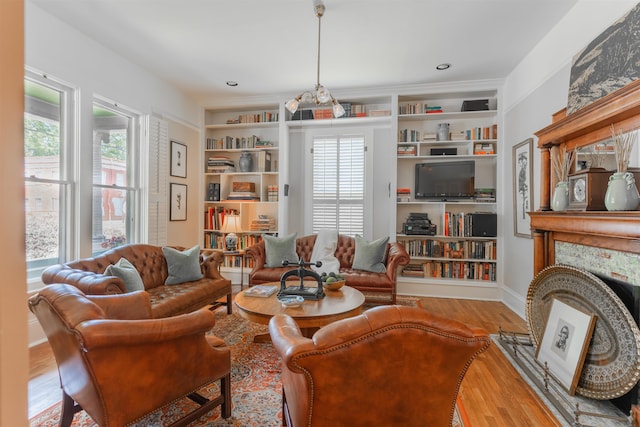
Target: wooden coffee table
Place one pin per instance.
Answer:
(311, 315)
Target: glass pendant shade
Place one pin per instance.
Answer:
(338, 110)
(292, 105)
(322, 95)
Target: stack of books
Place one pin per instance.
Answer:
(220, 164)
(272, 193)
(406, 150)
(247, 196)
(263, 223)
(403, 194)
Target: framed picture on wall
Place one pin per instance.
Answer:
(522, 188)
(178, 159)
(564, 343)
(178, 202)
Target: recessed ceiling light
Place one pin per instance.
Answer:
(444, 66)
(231, 83)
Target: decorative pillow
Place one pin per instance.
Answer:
(279, 249)
(324, 250)
(128, 273)
(183, 266)
(370, 256)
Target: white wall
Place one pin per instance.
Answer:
(536, 89)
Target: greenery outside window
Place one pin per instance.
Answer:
(49, 150)
(116, 182)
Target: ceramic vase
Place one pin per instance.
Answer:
(622, 193)
(246, 162)
(560, 200)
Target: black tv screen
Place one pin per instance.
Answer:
(445, 181)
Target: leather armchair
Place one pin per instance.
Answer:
(390, 366)
(118, 364)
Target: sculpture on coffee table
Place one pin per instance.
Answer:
(306, 292)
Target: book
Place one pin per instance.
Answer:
(261, 291)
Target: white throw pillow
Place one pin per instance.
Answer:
(324, 250)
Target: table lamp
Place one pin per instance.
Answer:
(230, 227)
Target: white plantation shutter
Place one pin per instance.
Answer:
(338, 184)
(158, 181)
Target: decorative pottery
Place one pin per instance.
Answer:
(246, 162)
(622, 193)
(560, 200)
(443, 132)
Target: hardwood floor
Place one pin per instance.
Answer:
(493, 393)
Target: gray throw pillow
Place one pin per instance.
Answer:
(183, 266)
(370, 256)
(279, 249)
(128, 273)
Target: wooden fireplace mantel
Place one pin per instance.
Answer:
(604, 229)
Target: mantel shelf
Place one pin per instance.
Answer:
(592, 123)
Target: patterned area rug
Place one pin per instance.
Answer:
(255, 384)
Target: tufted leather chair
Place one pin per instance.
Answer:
(390, 366)
(118, 364)
(365, 281)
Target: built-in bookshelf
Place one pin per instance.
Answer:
(452, 128)
(241, 177)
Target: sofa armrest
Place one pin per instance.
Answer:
(130, 306)
(396, 257)
(258, 254)
(88, 282)
(210, 262)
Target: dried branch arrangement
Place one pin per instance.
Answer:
(623, 144)
(561, 162)
(596, 156)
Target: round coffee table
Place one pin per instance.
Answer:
(311, 315)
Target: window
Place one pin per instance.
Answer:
(116, 191)
(338, 191)
(49, 150)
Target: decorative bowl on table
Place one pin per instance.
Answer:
(333, 286)
(291, 300)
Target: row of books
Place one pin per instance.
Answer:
(265, 116)
(458, 224)
(473, 134)
(236, 261)
(231, 142)
(464, 249)
(418, 108)
(216, 241)
(272, 193)
(469, 270)
(214, 216)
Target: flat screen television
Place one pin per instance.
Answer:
(445, 180)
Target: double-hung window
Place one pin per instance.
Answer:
(338, 176)
(116, 176)
(49, 152)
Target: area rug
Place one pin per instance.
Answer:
(255, 385)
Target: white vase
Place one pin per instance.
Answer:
(622, 193)
(560, 199)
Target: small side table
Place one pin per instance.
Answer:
(240, 253)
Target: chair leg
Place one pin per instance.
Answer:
(225, 390)
(69, 409)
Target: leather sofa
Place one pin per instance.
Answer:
(364, 281)
(149, 260)
(404, 362)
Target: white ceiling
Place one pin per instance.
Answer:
(270, 47)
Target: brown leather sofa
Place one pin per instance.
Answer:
(149, 260)
(404, 364)
(364, 281)
(118, 364)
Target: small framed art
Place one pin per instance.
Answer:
(178, 159)
(564, 343)
(522, 188)
(178, 202)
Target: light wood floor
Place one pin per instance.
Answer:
(493, 393)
